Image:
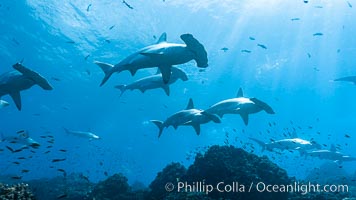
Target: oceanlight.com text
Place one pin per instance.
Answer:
(236, 187)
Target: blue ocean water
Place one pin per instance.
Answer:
(294, 74)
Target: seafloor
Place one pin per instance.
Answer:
(216, 164)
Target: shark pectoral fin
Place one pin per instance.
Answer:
(244, 118)
(16, 97)
(196, 128)
(166, 89)
(166, 73)
(133, 71)
(142, 90)
(221, 115)
(263, 105)
(122, 88)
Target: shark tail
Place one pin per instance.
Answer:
(122, 88)
(262, 144)
(201, 56)
(160, 126)
(107, 69)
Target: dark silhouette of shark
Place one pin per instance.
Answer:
(22, 78)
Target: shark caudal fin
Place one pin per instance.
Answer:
(107, 69)
(160, 126)
(263, 105)
(259, 142)
(122, 88)
(201, 56)
(39, 80)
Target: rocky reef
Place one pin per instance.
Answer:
(115, 188)
(232, 166)
(236, 171)
(236, 166)
(71, 187)
(18, 191)
(170, 174)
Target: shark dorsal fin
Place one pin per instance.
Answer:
(190, 104)
(162, 38)
(240, 93)
(332, 148)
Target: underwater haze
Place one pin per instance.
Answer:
(285, 53)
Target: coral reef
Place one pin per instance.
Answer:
(73, 186)
(234, 165)
(18, 191)
(115, 188)
(329, 172)
(218, 164)
(170, 174)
